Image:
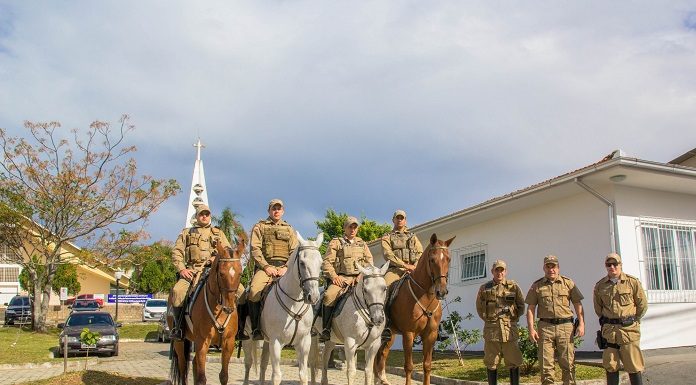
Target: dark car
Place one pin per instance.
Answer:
(19, 310)
(163, 329)
(96, 321)
(85, 305)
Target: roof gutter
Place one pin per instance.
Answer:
(612, 213)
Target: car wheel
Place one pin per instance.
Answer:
(115, 352)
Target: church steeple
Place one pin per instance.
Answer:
(199, 193)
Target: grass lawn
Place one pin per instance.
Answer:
(21, 345)
(90, 377)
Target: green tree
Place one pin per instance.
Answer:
(66, 276)
(64, 188)
(154, 257)
(332, 226)
(157, 277)
(229, 223)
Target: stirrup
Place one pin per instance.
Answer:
(176, 334)
(386, 335)
(325, 335)
(241, 336)
(256, 335)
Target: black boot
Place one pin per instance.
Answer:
(636, 378)
(176, 333)
(514, 376)
(493, 376)
(612, 378)
(326, 317)
(255, 313)
(242, 313)
(442, 334)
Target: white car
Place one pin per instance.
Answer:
(153, 309)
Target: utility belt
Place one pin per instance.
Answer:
(602, 342)
(349, 275)
(628, 321)
(557, 321)
(277, 262)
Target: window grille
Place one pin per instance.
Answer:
(7, 255)
(9, 274)
(472, 262)
(669, 260)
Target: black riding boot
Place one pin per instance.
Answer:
(636, 378)
(493, 376)
(515, 376)
(326, 317)
(177, 333)
(242, 313)
(255, 313)
(612, 378)
(442, 334)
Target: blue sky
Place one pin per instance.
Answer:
(361, 107)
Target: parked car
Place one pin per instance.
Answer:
(70, 301)
(96, 321)
(84, 305)
(153, 309)
(163, 329)
(19, 310)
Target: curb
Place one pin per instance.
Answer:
(46, 365)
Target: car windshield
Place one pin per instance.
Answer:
(89, 319)
(86, 305)
(156, 303)
(19, 301)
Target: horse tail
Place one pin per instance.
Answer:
(176, 376)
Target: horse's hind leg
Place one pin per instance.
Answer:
(265, 351)
(380, 364)
(326, 356)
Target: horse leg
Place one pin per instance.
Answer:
(302, 347)
(227, 350)
(264, 363)
(408, 356)
(275, 348)
(380, 364)
(199, 363)
(349, 347)
(178, 373)
(248, 345)
(326, 356)
(428, 344)
(313, 360)
(370, 353)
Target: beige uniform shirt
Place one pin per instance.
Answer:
(196, 245)
(625, 298)
(341, 255)
(500, 306)
(553, 298)
(272, 241)
(394, 252)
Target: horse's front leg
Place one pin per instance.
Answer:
(227, 350)
(325, 358)
(264, 362)
(199, 363)
(380, 365)
(428, 344)
(275, 348)
(408, 355)
(302, 347)
(349, 347)
(370, 353)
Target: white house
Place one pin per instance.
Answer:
(644, 210)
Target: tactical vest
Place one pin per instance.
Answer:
(200, 248)
(499, 306)
(276, 241)
(403, 245)
(348, 255)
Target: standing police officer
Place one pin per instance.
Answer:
(272, 241)
(194, 248)
(620, 303)
(499, 303)
(553, 295)
(339, 266)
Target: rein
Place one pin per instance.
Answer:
(426, 312)
(363, 310)
(221, 299)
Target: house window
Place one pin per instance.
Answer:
(472, 263)
(9, 274)
(6, 254)
(669, 258)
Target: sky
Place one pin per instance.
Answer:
(361, 107)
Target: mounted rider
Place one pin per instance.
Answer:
(193, 251)
(339, 266)
(272, 242)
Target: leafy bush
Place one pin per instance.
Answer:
(451, 324)
(530, 352)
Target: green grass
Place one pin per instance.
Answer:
(21, 345)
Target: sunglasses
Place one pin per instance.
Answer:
(204, 214)
(610, 264)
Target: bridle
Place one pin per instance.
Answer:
(364, 307)
(430, 273)
(222, 294)
(428, 313)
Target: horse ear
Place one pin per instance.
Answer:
(299, 237)
(320, 238)
(384, 268)
(362, 269)
(433, 239)
(447, 242)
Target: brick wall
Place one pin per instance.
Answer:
(126, 312)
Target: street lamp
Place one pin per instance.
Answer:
(117, 274)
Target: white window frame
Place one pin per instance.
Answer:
(668, 253)
(478, 249)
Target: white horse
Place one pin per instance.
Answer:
(287, 314)
(358, 326)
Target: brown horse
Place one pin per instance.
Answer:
(212, 319)
(416, 309)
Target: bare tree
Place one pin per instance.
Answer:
(60, 189)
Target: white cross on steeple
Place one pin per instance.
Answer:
(199, 191)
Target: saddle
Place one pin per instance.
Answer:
(393, 291)
(194, 291)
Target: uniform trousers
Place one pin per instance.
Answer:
(629, 354)
(258, 283)
(556, 339)
(494, 347)
(332, 292)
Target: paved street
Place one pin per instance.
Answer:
(144, 359)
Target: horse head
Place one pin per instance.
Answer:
(308, 262)
(226, 271)
(438, 260)
(374, 291)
